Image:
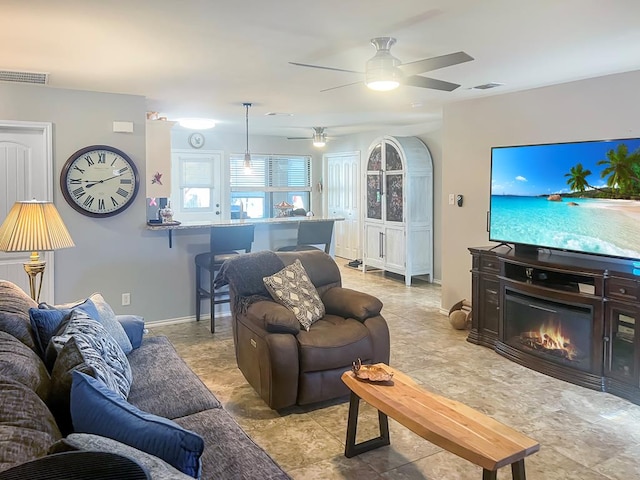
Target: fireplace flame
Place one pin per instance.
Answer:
(550, 339)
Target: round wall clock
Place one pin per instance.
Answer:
(196, 140)
(99, 181)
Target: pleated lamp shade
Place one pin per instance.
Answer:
(33, 226)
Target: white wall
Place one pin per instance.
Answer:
(593, 109)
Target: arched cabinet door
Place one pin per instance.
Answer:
(393, 184)
(398, 230)
(374, 183)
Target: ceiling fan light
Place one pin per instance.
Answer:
(319, 141)
(382, 72)
(319, 137)
(197, 123)
(383, 85)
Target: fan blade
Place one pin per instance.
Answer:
(424, 82)
(324, 68)
(340, 86)
(434, 63)
(299, 138)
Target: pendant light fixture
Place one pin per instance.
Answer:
(247, 153)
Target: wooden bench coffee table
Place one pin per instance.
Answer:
(446, 423)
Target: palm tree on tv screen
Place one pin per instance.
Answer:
(578, 178)
(620, 170)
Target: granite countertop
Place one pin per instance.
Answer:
(243, 221)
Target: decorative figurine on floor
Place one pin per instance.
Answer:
(460, 315)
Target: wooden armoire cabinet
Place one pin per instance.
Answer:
(398, 223)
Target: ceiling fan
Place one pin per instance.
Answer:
(319, 137)
(385, 72)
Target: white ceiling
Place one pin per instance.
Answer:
(205, 58)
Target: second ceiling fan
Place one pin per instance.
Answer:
(319, 137)
(385, 72)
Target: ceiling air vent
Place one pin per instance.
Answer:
(24, 77)
(487, 86)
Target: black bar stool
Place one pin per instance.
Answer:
(224, 243)
(310, 233)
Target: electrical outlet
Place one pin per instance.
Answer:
(126, 299)
(452, 199)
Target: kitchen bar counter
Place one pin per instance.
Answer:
(272, 227)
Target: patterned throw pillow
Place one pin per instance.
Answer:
(292, 288)
(99, 349)
(104, 314)
(79, 355)
(45, 322)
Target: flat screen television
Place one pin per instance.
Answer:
(578, 197)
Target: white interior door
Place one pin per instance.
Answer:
(342, 173)
(26, 172)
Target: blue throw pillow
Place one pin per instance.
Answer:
(96, 409)
(134, 328)
(45, 322)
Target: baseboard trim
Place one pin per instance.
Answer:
(170, 321)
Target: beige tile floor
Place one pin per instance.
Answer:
(584, 435)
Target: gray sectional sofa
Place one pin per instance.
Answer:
(162, 385)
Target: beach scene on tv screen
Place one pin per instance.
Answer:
(583, 197)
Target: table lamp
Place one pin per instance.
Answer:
(33, 226)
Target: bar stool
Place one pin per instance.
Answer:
(310, 233)
(224, 243)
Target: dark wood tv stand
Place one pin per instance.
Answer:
(599, 297)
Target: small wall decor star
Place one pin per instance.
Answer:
(157, 178)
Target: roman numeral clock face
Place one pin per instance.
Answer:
(99, 181)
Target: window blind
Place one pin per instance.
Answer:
(271, 172)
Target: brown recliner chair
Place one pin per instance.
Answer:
(283, 362)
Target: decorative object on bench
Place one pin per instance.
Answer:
(446, 423)
(373, 373)
(283, 362)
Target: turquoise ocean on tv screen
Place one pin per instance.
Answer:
(606, 227)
